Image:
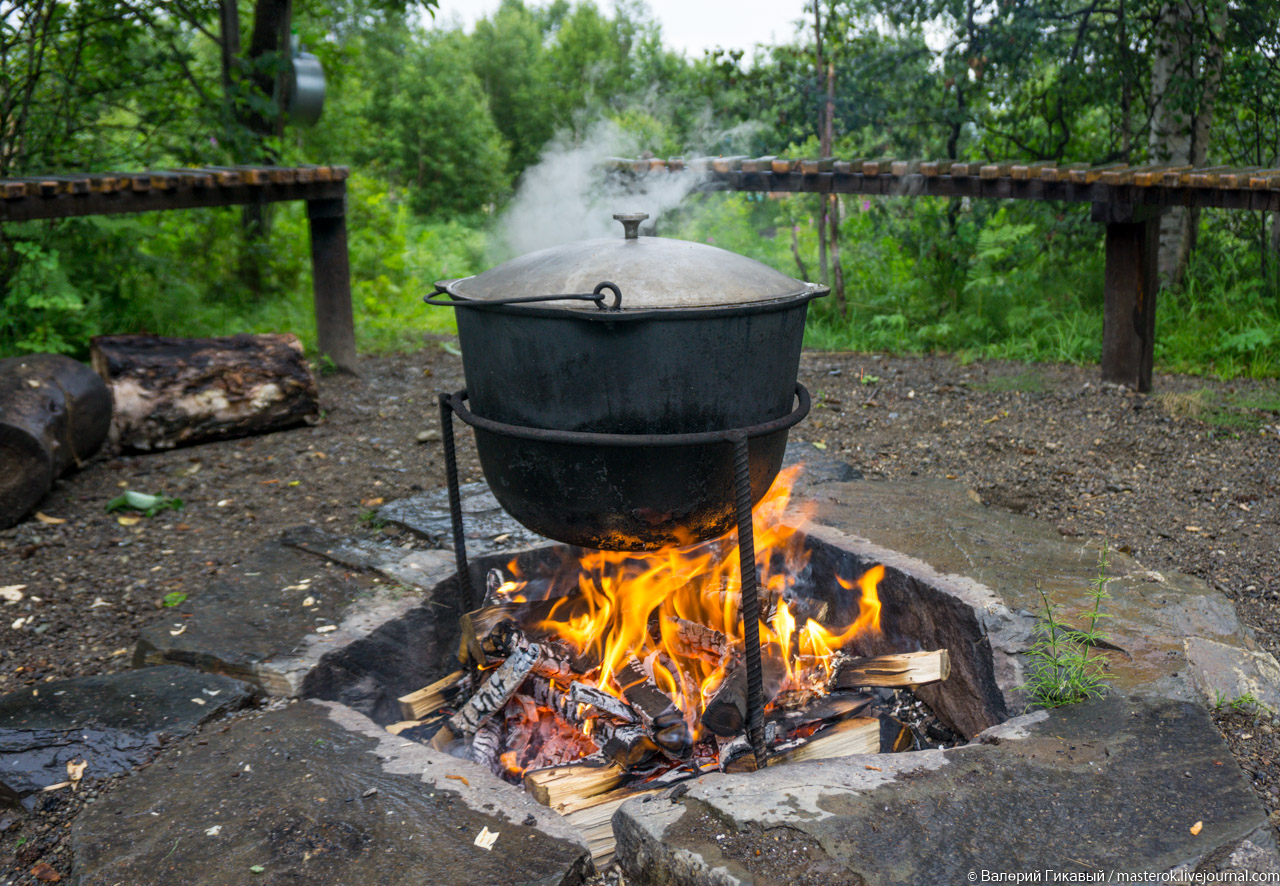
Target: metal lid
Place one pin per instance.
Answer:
(650, 272)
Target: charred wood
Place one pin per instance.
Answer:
(486, 745)
(601, 702)
(726, 712)
(658, 713)
(626, 745)
(497, 690)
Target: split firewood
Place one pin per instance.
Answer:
(432, 698)
(577, 781)
(658, 713)
(857, 735)
(480, 624)
(54, 414)
(594, 697)
(497, 690)
(593, 818)
(177, 391)
(902, 669)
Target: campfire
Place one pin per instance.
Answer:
(623, 671)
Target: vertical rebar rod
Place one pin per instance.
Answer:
(750, 599)
(465, 593)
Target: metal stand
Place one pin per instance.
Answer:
(738, 438)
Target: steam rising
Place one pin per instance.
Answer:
(568, 196)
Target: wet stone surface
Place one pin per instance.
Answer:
(1116, 784)
(111, 722)
(278, 612)
(315, 794)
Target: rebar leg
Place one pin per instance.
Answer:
(750, 600)
(455, 504)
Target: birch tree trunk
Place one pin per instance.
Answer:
(1186, 72)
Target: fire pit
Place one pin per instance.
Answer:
(628, 428)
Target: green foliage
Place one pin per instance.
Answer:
(1064, 669)
(173, 598)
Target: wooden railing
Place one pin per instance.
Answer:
(1128, 200)
(323, 188)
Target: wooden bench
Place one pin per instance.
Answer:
(1128, 200)
(324, 188)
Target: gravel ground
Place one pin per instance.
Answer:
(1187, 479)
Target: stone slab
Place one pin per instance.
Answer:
(112, 722)
(1113, 785)
(994, 561)
(1225, 674)
(315, 793)
(253, 623)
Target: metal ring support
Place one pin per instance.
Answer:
(590, 438)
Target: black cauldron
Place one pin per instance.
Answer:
(630, 336)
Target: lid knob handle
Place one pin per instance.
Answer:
(630, 223)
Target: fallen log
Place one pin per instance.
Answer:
(432, 698)
(54, 414)
(177, 391)
(557, 785)
(902, 669)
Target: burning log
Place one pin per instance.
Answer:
(486, 745)
(902, 669)
(430, 699)
(480, 626)
(831, 707)
(594, 697)
(697, 641)
(506, 639)
(577, 781)
(496, 692)
(726, 713)
(626, 745)
(659, 714)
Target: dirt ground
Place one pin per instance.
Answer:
(1187, 479)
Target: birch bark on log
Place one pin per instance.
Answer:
(175, 391)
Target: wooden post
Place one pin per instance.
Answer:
(1130, 288)
(335, 328)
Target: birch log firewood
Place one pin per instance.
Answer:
(54, 414)
(176, 391)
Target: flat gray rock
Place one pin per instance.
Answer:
(1116, 784)
(112, 722)
(281, 609)
(314, 793)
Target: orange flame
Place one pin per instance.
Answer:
(611, 602)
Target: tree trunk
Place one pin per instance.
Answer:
(54, 413)
(176, 391)
(1185, 75)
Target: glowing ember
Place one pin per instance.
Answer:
(671, 616)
